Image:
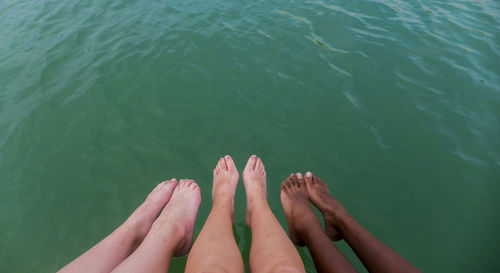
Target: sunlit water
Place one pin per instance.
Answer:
(396, 104)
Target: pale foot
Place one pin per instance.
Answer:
(302, 221)
(332, 210)
(224, 186)
(254, 178)
(178, 217)
(143, 217)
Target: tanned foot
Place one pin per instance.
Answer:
(225, 180)
(320, 196)
(254, 178)
(178, 217)
(143, 217)
(302, 221)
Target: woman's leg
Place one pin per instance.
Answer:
(272, 250)
(376, 256)
(305, 229)
(117, 246)
(215, 249)
(170, 235)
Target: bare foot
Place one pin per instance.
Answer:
(179, 215)
(225, 180)
(302, 221)
(143, 217)
(254, 178)
(320, 196)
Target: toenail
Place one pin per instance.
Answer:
(308, 174)
(299, 175)
(228, 157)
(254, 156)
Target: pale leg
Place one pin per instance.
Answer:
(215, 249)
(117, 246)
(170, 235)
(271, 250)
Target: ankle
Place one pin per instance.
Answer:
(165, 229)
(222, 201)
(311, 235)
(335, 210)
(136, 227)
(344, 221)
(223, 207)
(257, 203)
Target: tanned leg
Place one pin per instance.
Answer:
(271, 250)
(170, 235)
(215, 249)
(377, 257)
(305, 229)
(117, 246)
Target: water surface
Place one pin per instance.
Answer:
(394, 103)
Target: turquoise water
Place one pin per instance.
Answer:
(394, 103)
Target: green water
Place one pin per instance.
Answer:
(396, 104)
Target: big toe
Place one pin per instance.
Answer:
(300, 180)
(308, 178)
(164, 188)
(230, 163)
(251, 163)
(169, 186)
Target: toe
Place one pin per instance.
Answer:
(308, 178)
(288, 181)
(251, 162)
(229, 163)
(314, 179)
(300, 179)
(220, 164)
(169, 185)
(182, 183)
(258, 164)
(185, 182)
(224, 164)
(323, 184)
(294, 180)
(166, 183)
(172, 181)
